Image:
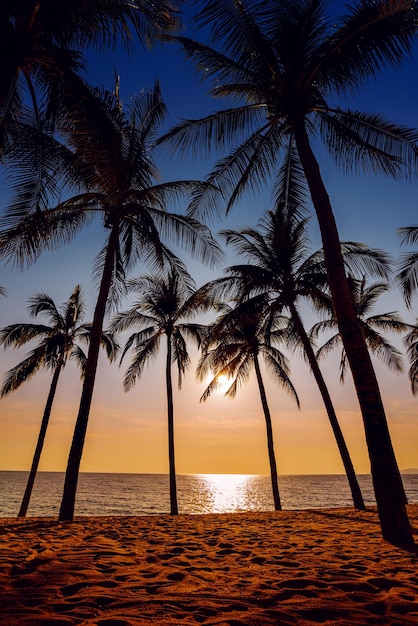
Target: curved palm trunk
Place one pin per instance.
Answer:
(387, 482)
(40, 443)
(326, 398)
(170, 414)
(272, 458)
(71, 477)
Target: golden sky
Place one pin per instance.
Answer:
(128, 431)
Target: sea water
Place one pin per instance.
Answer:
(148, 494)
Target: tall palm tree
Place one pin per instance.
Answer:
(233, 347)
(285, 63)
(42, 42)
(163, 307)
(114, 161)
(57, 343)
(364, 298)
(281, 267)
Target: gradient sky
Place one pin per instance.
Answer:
(127, 431)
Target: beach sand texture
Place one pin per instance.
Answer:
(292, 567)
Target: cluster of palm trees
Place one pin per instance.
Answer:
(258, 312)
(79, 155)
(231, 346)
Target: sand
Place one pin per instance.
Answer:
(291, 567)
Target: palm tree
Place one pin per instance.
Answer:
(114, 162)
(284, 63)
(57, 343)
(233, 347)
(364, 298)
(282, 269)
(162, 308)
(42, 42)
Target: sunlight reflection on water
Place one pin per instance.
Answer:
(227, 492)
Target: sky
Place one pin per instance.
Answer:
(128, 431)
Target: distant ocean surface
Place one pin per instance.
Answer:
(148, 494)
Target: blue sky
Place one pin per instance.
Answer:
(222, 435)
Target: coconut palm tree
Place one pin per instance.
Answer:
(364, 298)
(114, 162)
(284, 64)
(282, 269)
(162, 309)
(57, 343)
(42, 42)
(232, 348)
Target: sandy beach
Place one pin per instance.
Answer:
(287, 568)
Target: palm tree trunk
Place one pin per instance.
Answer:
(336, 429)
(387, 482)
(170, 414)
(270, 445)
(40, 443)
(76, 451)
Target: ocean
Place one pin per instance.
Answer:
(148, 494)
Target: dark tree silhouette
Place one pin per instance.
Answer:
(284, 63)
(57, 343)
(162, 308)
(233, 347)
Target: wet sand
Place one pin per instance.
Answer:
(287, 568)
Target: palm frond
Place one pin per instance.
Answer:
(366, 261)
(141, 355)
(218, 131)
(78, 355)
(17, 335)
(366, 142)
(370, 37)
(22, 372)
(407, 276)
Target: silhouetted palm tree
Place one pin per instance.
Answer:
(233, 347)
(364, 298)
(282, 268)
(284, 63)
(114, 161)
(163, 307)
(57, 343)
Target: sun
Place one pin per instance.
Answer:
(223, 383)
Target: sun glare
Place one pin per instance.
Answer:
(223, 383)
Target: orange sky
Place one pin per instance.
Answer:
(127, 431)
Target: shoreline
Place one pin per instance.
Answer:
(299, 567)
